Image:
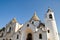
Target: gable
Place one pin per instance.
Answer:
(31, 26)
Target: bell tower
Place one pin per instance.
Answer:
(50, 23)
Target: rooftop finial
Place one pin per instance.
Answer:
(35, 13)
(35, 17)
(14, 19)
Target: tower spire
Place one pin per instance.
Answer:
(35, 13)
(51, 24)
(14, 20)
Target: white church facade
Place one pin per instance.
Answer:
(33, 29)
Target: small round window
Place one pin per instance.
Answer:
(32, 22)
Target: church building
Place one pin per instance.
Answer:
(34, 29)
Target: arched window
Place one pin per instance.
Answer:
(48, 31)
(17, 36)
(50, 16)
(10, 39)
(40, 36)
(29, 36)
(10, 29)
(27, 25)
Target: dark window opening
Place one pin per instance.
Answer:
(29, 36)
(50, 16)
(32, 22)
(3, 39)
(27, 25)
(10, 29)
(17, 36)
(10, 39)
(48, 31)
(40, 36)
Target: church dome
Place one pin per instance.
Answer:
(35, 17)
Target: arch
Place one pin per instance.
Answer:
(29, 36)
(50, 16)
(48, 31)
(10, 29)
(28, 33)
(10, 39)
(17, 36)
(40, 36)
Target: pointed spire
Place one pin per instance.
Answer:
(35, 13)
(14, 20)
(35, 17)
(49, 10)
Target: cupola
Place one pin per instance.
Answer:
(35, 20)
(35, 17)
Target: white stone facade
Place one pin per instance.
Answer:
(34, 29)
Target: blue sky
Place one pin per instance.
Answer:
(23, 10)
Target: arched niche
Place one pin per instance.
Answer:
(28, 33)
